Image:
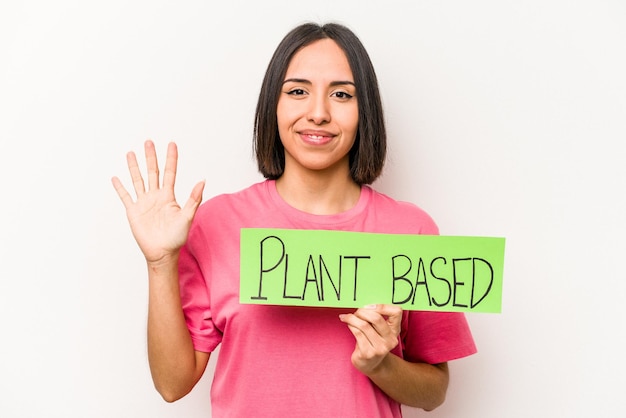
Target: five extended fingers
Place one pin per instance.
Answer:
(152, 167)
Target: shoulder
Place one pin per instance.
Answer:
(241, 199)
(407, 216)
(220, 218)
(230, 210)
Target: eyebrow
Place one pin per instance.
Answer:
(305, 81)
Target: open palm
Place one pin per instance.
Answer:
(159, 224)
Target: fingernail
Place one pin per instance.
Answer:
(369, 307)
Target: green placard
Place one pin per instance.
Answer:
(353, 269)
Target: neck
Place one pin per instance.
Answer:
(318, 193)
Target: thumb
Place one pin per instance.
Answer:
(393, 315)
(194, 200)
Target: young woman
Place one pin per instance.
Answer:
(320, 140)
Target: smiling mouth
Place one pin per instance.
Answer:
(316, 139)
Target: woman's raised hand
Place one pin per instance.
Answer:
(160, 226)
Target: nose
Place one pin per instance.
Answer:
(319, 112)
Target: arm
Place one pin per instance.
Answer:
(376, 329)
(160, 227)
(420, 385)
(174, 364)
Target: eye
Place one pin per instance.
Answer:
(296, 92)
(342, 95)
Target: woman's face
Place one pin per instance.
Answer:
(317, 110)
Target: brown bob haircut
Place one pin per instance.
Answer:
(367, 155)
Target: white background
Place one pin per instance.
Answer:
(506, 118)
